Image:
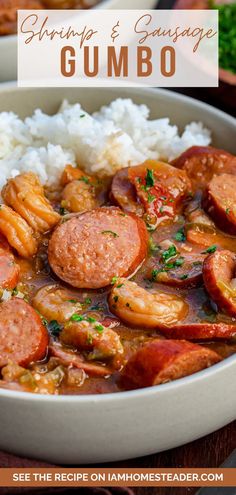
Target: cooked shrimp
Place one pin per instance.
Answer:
(18, 233)
(78, 196)
(138, 307)
(55, 303)
(89, 335)
(73, 173)
(25, 195)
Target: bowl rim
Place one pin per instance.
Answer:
(148, 391)
(174, 95)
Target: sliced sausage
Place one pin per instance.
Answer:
(203, 162)
(154, 188)
(182, 270)
(200, 331)
(218, 274)
(23, 337)
(219, 202)
(70, 358)
(90, 249)
(123, 193)
(161, 361)
(9, 270)
(204, 236)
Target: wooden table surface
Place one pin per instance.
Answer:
(212, 450)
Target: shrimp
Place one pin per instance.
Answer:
(138, 307)
(71, 173)
(78, 196)
(90, 335)
(18, 233)
(25, 195)
(55, 303)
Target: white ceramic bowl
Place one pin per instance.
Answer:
(8, 44)
(94, 428)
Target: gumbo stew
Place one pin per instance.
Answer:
(122, 283)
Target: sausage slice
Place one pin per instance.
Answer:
(154, 189)
(219, 202)
(182, 270)
(200, 331)
(89, 250)
(9, 270)
(203, 162)
(218, 275)
(23, 337)
(161, 361)
(123, 193)
(70, 358)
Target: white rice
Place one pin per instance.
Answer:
(117, 136)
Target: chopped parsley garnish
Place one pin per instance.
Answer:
(168, 266)
(84, 179)
(62, 211)
(175, 264)
(87, 300)
(114, 234)
(149, 178)
(156, 272)
(82, 115)
(99, 328)
(211, 249)
(119, 286)
(151, 198)
(90, 319)
(72, 301)
(114, 280)
(76, 317)
(180, 236)
(184, 276)
(169, 253)
(14, 291)
(54, 328)
(227, 211)
(115, 298)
